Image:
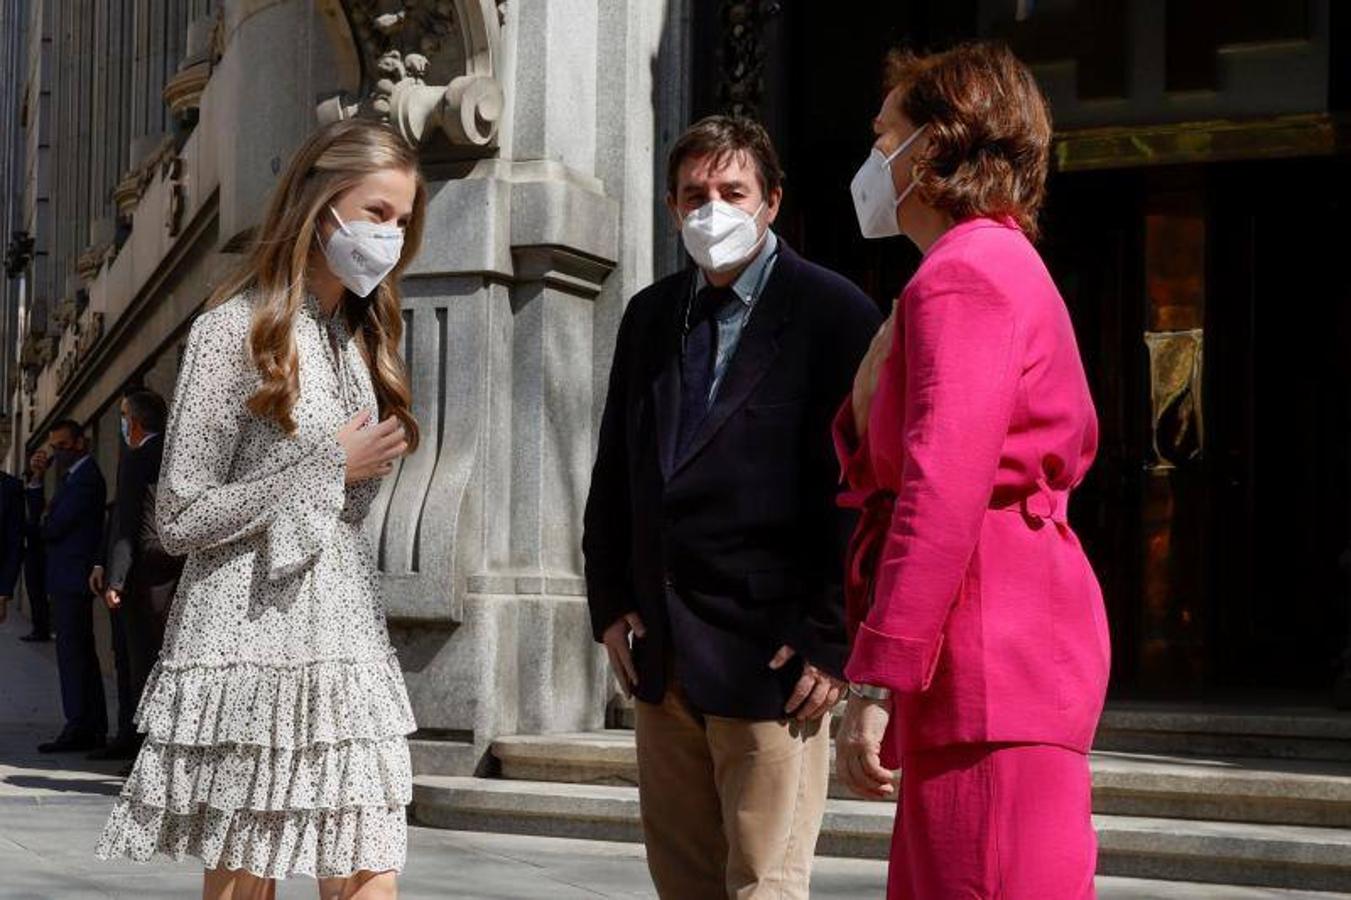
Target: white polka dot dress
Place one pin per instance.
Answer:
(276, 717)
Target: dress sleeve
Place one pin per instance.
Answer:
(962, 376)
(294, 499)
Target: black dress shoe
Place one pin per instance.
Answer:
(35, 637)
(72, 742)
(122, 748)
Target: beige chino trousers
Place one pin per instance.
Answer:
(730, 807)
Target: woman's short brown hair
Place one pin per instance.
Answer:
(989, 131)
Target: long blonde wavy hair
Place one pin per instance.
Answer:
(284, 246)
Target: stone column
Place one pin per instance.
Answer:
(511, 309)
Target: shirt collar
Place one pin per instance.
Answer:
(75, 465)
(749, 279)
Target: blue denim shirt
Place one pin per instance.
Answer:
(732, 319)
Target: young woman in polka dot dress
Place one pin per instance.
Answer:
(276, 718)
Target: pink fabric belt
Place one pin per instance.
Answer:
(1045, 504)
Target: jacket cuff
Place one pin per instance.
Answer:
(850, 450)
(906, 665)
(816, 645)
(604, 612)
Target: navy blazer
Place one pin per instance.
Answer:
(73, 529)
(736, 546)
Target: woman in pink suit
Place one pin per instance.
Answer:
(981, 654)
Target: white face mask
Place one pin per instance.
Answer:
(720, 236)
(361, 254)
(875, 200)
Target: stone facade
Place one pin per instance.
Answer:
(156, 129)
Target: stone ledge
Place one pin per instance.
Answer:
(1221, 852)
(1238, 790)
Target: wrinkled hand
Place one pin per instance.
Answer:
(816, 692)
(865, 380)
(96, 580)
(112, 598)
(858, 749)
(371, 449)
(616, 640)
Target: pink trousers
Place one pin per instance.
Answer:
(994, 822)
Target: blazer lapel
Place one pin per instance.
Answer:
(666, 386)
(754, 355)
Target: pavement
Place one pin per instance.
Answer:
(52, 809)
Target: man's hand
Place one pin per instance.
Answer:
(96, 580)
(38, 462)
(616, 640)
(816, 692)
(858, 749)
(4, 609)
(112, 598)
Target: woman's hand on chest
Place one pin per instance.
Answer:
(371, 448)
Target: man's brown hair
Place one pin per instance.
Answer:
(723, 137)
(989, 131)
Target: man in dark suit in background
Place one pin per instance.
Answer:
(71, 531)
(140, 577)
(35, 556)
(12, 511)
(713, 540)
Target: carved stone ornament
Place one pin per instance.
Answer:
(65, 313)
(65, 369)
(183, 90)
(741, 56)
(90, 335)
(147, 154)
(428, 68)
(90, 262)
(36, 352)
(102, 249)
(171, 170)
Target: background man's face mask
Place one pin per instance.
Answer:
(361, 254)
(875, 200)
(720, 236)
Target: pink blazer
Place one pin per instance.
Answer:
(987, 620)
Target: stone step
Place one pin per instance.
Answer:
(1184, 730)
(1290, 792)
(1279, 856)
(435, 756)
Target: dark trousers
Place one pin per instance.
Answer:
(76, 659)
(138, 634)
(35, 580)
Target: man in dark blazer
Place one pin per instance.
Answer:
(71, 531)
(12, 512)
(35, 557)
(140, 577)
(714, 545)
